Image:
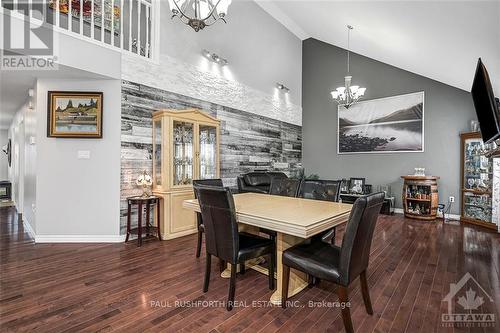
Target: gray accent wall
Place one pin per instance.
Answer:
(447, 112)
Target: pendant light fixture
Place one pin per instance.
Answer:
(348, 95)
(199, 14)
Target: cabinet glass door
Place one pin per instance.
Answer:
(208, 152)
(157, 151)
(182, 152)
(478, 174)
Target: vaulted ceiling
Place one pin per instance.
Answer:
(440, 40)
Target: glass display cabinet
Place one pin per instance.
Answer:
(477, 181)
(185, 147)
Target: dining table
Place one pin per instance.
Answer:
(293, 220)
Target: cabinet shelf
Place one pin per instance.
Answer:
(475, 167)
(420, 200)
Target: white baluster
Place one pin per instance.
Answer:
(130, 25)
(146, 47)
(57, 12)
(70, 15)
(92, 19)
(121, 25)
(103, 9)
(81, 17)
(139, 5)
(113, 22)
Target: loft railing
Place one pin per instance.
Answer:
(125, 24)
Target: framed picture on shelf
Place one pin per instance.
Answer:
(72, 114)
(356, 185)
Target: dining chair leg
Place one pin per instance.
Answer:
(271, 271)
(232, 288)
(284, 288)
(310, 281)
(222, 265)
(208, 266)
(198, 246)
(366, 293)
(346, 312)
(242, 268)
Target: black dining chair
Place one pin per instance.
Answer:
(285, 187)
(201, 228)
(341, 265)
(223, 240)
(326, 190)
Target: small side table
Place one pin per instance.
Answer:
(143, 202)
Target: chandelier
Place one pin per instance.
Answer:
(348, 95)
(199, 14)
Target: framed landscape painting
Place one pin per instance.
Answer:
(385, 125)
(74, 114)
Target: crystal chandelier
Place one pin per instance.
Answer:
(199, 14)
(348, 95)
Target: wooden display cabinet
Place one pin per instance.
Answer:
(420, 197)
(185, 147)
(476, 182)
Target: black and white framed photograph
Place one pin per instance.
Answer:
(356, 185)
(385, 125)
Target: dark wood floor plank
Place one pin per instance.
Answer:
(110, 287)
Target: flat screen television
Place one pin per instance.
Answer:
(486, 107)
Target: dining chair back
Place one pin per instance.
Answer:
(326, 190)
(285, 187)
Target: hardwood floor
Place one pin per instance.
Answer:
(122, 288)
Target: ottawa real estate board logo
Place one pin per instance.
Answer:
(468, 305)
(27, 42)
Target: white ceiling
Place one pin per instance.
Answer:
(437, 39)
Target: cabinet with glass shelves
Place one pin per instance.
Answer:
(185, 147)
(477, 180)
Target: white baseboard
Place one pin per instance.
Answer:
(448, 216)
(28, 228)
(79, 238)
(398, 210)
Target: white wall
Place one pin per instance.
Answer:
(79, 200)
(259, 49)
(4, 138)
(260, 52)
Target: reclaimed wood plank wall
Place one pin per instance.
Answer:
(248, 141)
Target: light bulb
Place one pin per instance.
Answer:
(172, 5)
(335, 94)
(361, 91)
(341, 90)
(222, 7)
(204, 9)
(354, 89)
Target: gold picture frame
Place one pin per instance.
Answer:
(74, 114)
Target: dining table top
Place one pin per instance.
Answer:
(294, 216)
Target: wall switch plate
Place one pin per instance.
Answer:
(452, 199)
(84, 154)
(32, 140)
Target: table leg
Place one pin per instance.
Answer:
(158, 217)
(139, 225)
(128, 220)
(147, 218)
(298, 280)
